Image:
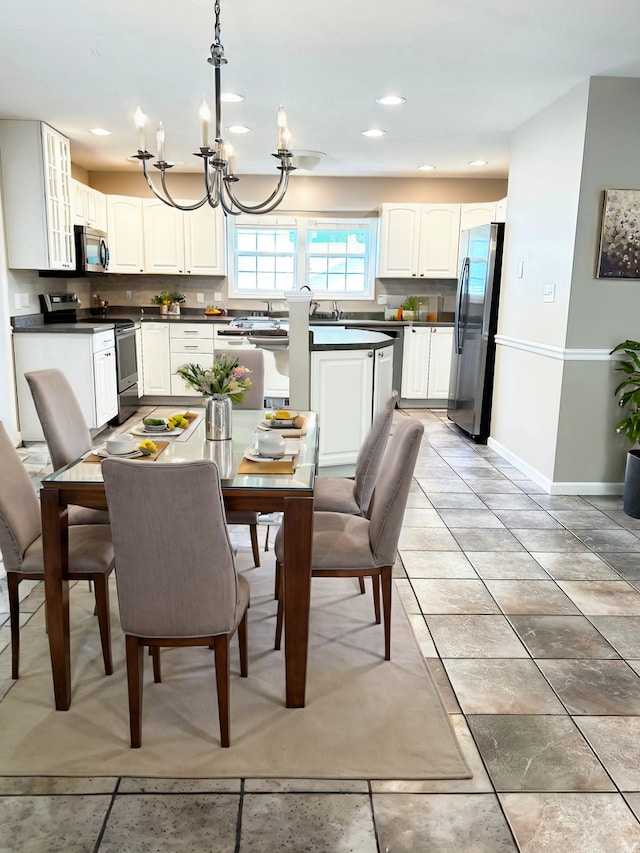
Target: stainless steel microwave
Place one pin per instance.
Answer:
(92, 250)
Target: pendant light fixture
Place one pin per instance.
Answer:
(218, 161)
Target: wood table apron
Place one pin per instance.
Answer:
(298, 528)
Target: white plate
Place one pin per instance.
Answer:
(254, 456)
(102, 451)
(143, 430)
(272, 423)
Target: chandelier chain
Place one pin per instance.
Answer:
(217, 162)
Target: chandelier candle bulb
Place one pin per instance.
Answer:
(160, 141)
(205, 117)
(282, 128)
(230, 157)
(140, 120)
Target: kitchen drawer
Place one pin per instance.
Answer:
(190, 345)
(195, 331)
(103, 340)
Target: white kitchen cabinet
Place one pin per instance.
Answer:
(501, 210)
(182, 242)
(89, 206)
(418, 240)
(440, 353)
(204, 241)
(36, 175)
(163, 238)
(382, 378)
(106, 385)
(88, 360)
(126, 237)
(190, 343)
(477, 214)
(156, 359)
(426, 362)
(346, 385)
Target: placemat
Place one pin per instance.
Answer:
(160, 446)
(269, 466)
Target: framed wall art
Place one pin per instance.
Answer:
(619, 255)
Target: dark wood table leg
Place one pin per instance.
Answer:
(298, 530)
(55, 542)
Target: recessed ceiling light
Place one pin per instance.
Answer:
(426, 168)
(231, 98)
(373, 132)
(100, 131)
(391, 100)
(239, 128)
(478, 162)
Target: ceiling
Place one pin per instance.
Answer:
(471, 70)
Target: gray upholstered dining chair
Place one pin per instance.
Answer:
(65, 429)
(353, 495)
(90, 549)
(177, 583)
(349, 545)
(253, 360)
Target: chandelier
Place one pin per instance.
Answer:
(218, 161)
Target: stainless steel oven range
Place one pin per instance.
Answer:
(63, 308)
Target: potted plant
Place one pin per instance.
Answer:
(628, 393)
(410, 308)
(168, 301)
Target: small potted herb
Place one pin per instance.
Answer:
(410, 308)
(168, 301)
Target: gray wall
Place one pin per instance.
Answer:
(554, 409)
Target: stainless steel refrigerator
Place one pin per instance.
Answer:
(476, 319)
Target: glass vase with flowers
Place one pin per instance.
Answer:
(222, 385)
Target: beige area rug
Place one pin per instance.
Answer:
(365, 718)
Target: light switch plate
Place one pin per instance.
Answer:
(199, 297)
(217, 296)
(382, 299)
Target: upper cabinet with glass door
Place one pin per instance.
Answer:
(36, 173)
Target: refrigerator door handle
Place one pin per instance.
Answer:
(464, 275)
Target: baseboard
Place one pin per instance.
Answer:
(551, 487)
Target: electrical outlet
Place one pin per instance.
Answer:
(199, 297)
(549, 293)
(128, 295)
(217, 296)
(22, 300)
(382, 299)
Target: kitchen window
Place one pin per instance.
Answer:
(274, 254)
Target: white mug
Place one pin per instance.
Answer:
(270, 444)
(120, 444)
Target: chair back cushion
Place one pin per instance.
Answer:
(370, 456)
(392, 489)
(253, 360)
(64, 426)
(175, 571)
(19, 507)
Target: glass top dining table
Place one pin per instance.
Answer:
(80, 483)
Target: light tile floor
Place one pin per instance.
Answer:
(527, 608)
